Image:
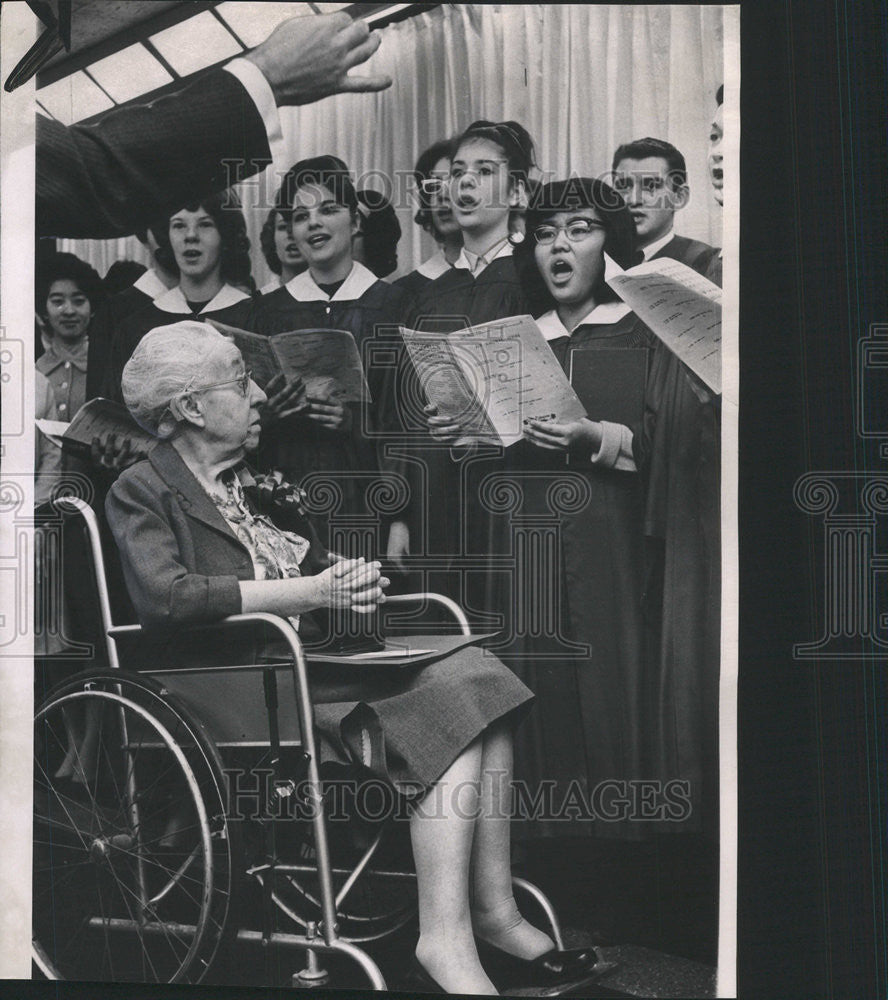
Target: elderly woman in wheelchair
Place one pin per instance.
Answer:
(197, 545)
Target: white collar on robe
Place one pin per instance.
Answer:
(174, 301)
(552, 328)
(272, 285)
(475, 263)
(435, 266)
(303, 287)
(150, 284)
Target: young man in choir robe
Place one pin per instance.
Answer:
(652, 177)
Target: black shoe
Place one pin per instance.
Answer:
(418, 979)
(551, 968)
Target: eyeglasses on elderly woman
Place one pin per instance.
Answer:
(242, 381)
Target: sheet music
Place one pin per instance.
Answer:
(327, 360)
(683, 309)
(504, 369)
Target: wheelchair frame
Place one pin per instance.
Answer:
(113, 830)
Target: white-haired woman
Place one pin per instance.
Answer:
(197, 545)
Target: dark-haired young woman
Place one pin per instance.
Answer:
(68, 292)
(582, 479)
(375, 244)
(489, 178)
(434, 216)
(336, 292)
(640, 560)
(280, 252)
(206, 244)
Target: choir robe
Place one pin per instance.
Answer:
(695, 253)
(641, 589)
(682, 523)
(575, 603)
(107, 320)
(446, 517)
(371, 310)
(230, 305)
(416, 281)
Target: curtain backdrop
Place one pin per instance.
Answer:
(582, 78)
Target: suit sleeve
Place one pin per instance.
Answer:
(162, 588)
(117, 175)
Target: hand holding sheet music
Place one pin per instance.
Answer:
(578, 437)
(327, 361)
(102, 420)
(492, 379)
(283, 399)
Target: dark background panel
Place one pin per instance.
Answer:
(812, 732)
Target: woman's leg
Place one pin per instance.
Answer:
(495, 915)
(441, 830)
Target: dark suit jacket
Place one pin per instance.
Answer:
(694, 253)
(140, 160)
(181, 561)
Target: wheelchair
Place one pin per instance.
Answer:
(145, 867)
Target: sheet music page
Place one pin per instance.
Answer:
(448, 385)
(682, 308)
(327, 360)
(258, 355)
(102, 416)
(516, 376)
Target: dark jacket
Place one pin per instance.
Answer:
(181, 562)
(141, 160)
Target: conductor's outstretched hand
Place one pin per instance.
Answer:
(308, 58)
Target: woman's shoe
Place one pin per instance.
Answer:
(418, 979)
(553, 967)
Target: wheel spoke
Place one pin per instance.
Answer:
(126, 863)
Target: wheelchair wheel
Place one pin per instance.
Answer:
(134, 856)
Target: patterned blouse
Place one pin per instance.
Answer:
(276, 554)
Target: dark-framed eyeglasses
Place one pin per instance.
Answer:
(241, 381)
(576, 231)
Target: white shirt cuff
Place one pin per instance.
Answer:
(615, 451)
(259, 90)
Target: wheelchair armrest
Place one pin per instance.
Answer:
(203, 686)
(281, 625)
(439, 599)
(114, 632)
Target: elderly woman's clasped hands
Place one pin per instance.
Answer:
(351, 583)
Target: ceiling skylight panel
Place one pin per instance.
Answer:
(254, 22)
(73, 98)
(129, 73)
(196, 43)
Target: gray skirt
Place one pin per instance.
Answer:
(408, 724)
